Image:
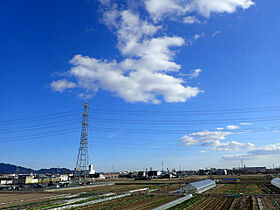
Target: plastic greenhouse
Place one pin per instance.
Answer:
(276, 182)
(199, 186)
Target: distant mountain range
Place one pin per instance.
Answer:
(12, 169)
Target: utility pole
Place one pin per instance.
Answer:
(17, 170)
(82, 160)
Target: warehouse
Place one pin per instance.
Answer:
(199, 186)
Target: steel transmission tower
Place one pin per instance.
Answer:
(82, 161)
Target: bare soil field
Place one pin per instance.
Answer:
(16, 198)
(239, 188)
(267, 203)
(217, 203)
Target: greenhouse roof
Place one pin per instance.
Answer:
(202, 183)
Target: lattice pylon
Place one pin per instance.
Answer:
(83, 160)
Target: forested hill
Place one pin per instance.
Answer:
(12, 169)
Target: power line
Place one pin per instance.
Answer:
(227, 111)
(38, 127)
(46, 134)
(41, 116)
(31, 120)
(141, 112)
(72, 130)
(229, 120)
(175, 130)
(144, 121)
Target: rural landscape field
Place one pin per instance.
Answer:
(249, 193)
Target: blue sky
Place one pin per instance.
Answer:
(193, 84)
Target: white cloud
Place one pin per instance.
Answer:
(253, 153)
(245, 123)
(232, 127)
(143, 74)
(198, 36)
(153, 55)
(159, 8)
(148, 71)
(206, 7)
(191, 20)
(219, 129)
(162, 8)
(138, 85)
(216, 33)
(132, 29)
(194, 73)
(213, 140)
(85, 95)
(62, 84)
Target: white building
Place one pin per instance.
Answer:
(64, 177)
(91, 169)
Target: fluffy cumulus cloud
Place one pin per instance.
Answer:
(162, 8)
(256, 152)
(215, 140)
(140, 85)
(206, 7)
(147, 71)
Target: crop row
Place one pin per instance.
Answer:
(187, 203)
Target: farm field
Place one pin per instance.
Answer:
(142, 200)
(8, 199)
(224, 196)
(32, 199)
(228, 203)
(239, 188)
(134, 202)
(234, 197)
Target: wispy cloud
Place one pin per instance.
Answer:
(245, 123)
(191, 20)
(256, 152)
(194, 73)
(215, 140)
(198, 36)
(216, 33)
(232, 127)
(62, 84)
